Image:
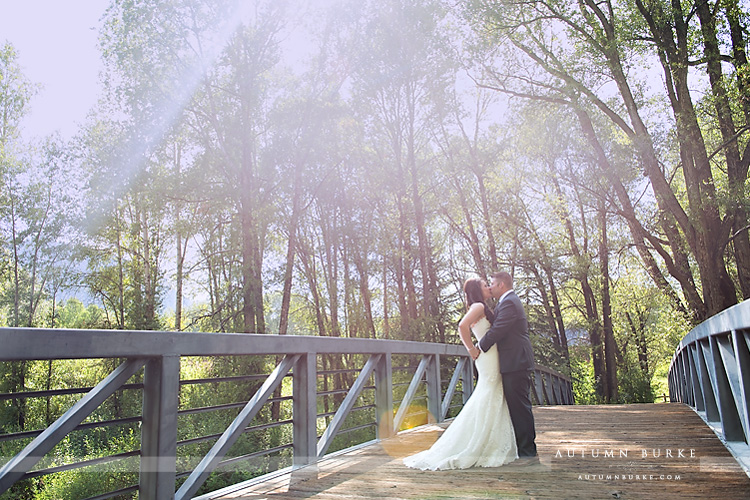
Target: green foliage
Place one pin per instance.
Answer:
(360, 191)
(635, 386)
(582, 376)
(94, 480)
(74, 314)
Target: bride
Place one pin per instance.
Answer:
(482, 433)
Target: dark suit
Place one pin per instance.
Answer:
(510, 331)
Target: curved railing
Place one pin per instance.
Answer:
(710, 372)
(551, 387)
(150, 362)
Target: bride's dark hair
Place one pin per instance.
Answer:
(473, 291)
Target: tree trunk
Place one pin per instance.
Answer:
(248, 231)
(558, 314)
(581, 274)
(741, 241)
(403, 309)
(259, 245)
(638, 331)
(479, 173)
(549, 313)
(739, 57)
(16, 259)
(470, 234)
(286, 296)
(676, 262)
(416, 201)
(609, 338)
(180, 257)
(407, 257)
(364, 291)
(736, 169)
(33, 295)
(488, 217)
(120, 314)
(705, 232)
(310, 271)
(386, 316)
(331, 250)
(149, 280)
(17, 384)
(434, 306)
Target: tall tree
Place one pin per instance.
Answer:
(609, 34)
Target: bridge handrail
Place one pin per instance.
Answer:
(710, 372)
(158, 354)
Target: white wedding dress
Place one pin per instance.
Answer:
(482, 434)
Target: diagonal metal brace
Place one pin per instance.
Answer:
(452, 388)
(235, 429)
(346, 406)
(19, 465)
(410, 393)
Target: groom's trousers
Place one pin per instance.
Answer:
(517, 388)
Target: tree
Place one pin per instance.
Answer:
(15, 93)
(400, 87)
(612, 35)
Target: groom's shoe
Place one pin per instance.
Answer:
(525, 461)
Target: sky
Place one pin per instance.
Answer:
(56, 42)
(56, 45)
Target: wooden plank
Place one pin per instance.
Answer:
(634, 434)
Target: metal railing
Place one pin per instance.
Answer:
(551, 387)
(151, 362)
(710, 371)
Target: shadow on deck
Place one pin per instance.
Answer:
(598, 452)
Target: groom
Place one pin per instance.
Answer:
(510, 331)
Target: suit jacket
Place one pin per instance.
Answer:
(510, 331)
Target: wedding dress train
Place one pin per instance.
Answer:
(482, 434)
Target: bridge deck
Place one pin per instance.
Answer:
(613, 451)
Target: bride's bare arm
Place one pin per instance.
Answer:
(474, 314)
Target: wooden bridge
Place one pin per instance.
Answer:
(586, 452)
(632, 451)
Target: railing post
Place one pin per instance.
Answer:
(538, 388)
(710, 398)
(305, 409)
(548, 392)
(743, 368)
(434, 399)
(161, 384)
(698, 398)
(556, 394)
(730, 417)
(688, 393)
(384, 397)
(670, 383)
